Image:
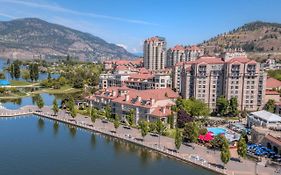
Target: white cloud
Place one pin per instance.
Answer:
(57, 8)
(7, 15)
(122, 45)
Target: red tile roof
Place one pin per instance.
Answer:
(142, 76)
(270, 92)
(208, 60)
(272, 83)
(159, 112)
(241, 60)
(193, 48)
(178, 47)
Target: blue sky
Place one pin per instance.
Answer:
(129, 22)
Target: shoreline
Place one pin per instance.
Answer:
(156, 148)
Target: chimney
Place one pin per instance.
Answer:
(113, 93)
(127, 97)
(152, 101)
(163, 109)
(138, 98)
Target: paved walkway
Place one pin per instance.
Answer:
(188, 153)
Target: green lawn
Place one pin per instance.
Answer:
(62, 90)
(19, 83)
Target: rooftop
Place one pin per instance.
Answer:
(272, 83)
(268, 116)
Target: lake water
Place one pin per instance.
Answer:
(42, 76)
(17, 103)
(32, 146)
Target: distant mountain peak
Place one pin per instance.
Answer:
(28, 38)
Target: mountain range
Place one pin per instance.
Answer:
(31, 38)
(259, 39)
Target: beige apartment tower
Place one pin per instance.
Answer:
(154, 50)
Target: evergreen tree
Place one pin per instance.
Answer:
(16, 70)
(39, 102)
(178, 139)
(116, 123)
(11, 71)
(55, 107)
(73, 112)
(36, 72)
(225, 153)
(242, 148)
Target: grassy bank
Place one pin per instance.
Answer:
(63, 90)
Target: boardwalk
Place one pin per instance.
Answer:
(210, 159)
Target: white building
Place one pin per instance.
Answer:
(263, 118)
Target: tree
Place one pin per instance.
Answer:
(178, 139)
(270, 105)
(191, 132)
(233, 105)
(152, 126)
(2, 75)
(34, 72)
(107, 111)
(218, 141)
(245, 136)
(55, 107)
(159, 129)
(171, 120)
(195, 107)
(116, 123)
(11, 70)
(183, 118)
(143, 127)
(131, 117)
(25, 74)
(73, 112)
(222, 105)
(225, 153)
(49, 76)
(242, 148)
(39, 102)
(94, 115)
(244, 114)
(16, 70)
(78, 83)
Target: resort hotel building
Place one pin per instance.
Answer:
(208, 78)
(149, 105)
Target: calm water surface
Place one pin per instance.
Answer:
(32, 146)
(42, 76)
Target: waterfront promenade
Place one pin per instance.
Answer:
(210, 159)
